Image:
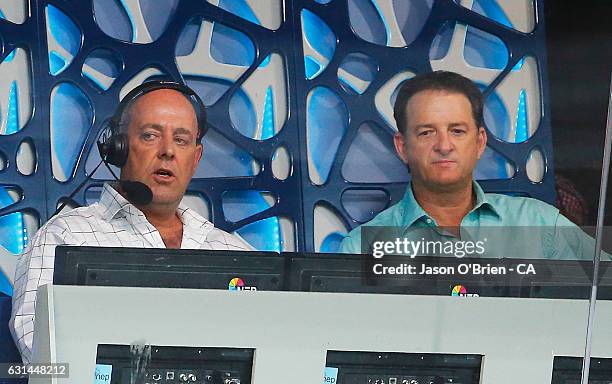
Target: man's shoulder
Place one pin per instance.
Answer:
(206, 235)
(523, 210)
(521, 202)
(64, 228)
(75, 215)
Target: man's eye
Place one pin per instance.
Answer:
(425, 133)
(181, 141)
(458, 131)
(148, 136)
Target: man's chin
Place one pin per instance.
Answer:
(449, 184)
(162, 196)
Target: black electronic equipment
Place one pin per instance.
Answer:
(117, 364)
(567, 370)
(352, 367)
(324, 272)
(168, 268)
(558, 279)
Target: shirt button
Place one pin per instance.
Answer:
(428, 221)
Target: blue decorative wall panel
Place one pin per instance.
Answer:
(299, 95)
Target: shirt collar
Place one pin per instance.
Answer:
(482, 201)
(113, 204)
(411, 210)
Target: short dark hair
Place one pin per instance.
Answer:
(438, 81)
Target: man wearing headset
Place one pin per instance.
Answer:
(156, 140)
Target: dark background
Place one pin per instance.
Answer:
(579, 40)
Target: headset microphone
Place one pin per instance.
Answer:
(136, 192)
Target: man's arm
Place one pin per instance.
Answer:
(34, 268)
(570, 242)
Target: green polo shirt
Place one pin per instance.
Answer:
(512, 227)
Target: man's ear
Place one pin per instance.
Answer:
(400, 148)
(482, 141)
(198, 156)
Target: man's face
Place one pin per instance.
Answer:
(442, 143)
(163, 152)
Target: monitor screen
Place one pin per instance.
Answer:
(168, 268)
(325, 272)
(433, 275)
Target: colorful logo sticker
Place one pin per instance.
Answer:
(458, 290)
(236, 284)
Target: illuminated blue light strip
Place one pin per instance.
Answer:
(522, 131)
(14, 236)
(12, 124)
(267, 130)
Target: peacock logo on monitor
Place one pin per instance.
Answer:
(460, 290)
(237, 284)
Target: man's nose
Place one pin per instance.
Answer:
(166, 147)
(443, 142)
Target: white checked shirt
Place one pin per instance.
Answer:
(112, 222)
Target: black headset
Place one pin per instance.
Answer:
(113, 146)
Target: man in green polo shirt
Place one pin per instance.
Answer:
(441, 137)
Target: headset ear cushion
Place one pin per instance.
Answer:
(117, 149)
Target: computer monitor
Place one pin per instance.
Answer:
(327, 272)
(168, 268)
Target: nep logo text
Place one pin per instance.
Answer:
(460, 290)
(237, 284)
